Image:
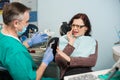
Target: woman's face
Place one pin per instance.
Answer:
(78, 27)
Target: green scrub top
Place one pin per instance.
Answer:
(15, 57)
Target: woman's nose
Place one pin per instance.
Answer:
(75, 27)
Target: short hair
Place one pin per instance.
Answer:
(12, 11)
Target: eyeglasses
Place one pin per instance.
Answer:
(78, 26)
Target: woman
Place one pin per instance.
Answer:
(76, 52)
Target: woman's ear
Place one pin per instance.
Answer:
(86, 28)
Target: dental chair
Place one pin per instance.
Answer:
(4, 74)
(31, 28)
(53, 43)
(64, 28)
(52, 70)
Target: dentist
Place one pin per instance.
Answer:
(14, 56)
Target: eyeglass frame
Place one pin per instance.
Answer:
(78, 26)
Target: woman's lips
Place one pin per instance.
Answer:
(74, 32)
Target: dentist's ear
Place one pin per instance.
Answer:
(15, 23)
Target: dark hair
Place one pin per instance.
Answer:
(86, 21)
(12, 11)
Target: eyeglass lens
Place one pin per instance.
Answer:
(78, 26)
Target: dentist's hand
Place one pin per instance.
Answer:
(37, 38)
(48, 56)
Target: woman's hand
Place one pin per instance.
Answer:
(70, 37)
(62, 54)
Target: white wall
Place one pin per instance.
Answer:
(104, 16)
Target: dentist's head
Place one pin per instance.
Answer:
(15, 18)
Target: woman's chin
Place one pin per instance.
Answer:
(75, 35)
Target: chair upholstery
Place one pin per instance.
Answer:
(4, 74)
